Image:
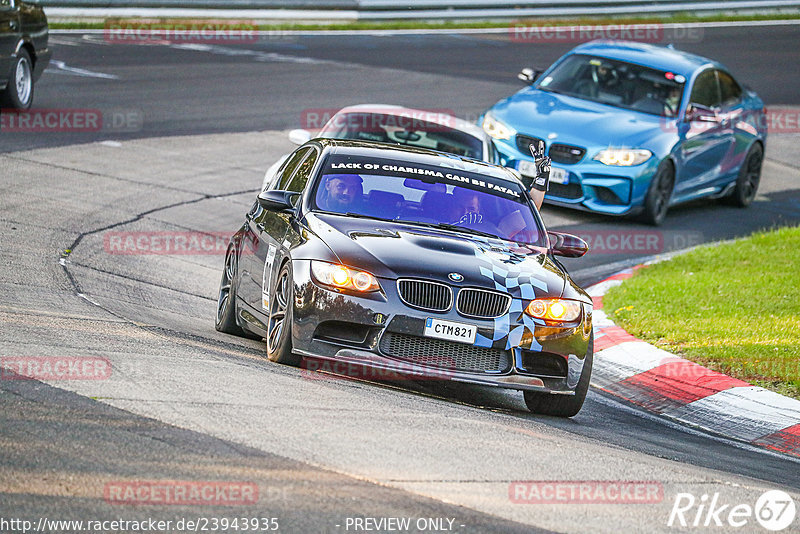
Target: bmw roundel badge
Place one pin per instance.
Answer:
(456, 277)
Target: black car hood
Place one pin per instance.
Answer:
(395, 250)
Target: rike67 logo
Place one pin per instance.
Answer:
(774, 510)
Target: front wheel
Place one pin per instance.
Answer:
(749, 177)
(656, 202)
(563, 405)
(279, 327)
(19, 92)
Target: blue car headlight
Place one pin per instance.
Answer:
(623, 157)
(495, 128)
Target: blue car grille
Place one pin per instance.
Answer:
(444, 354)
(566, 153)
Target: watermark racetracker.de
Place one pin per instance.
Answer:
(636, 242)
(188, 31)
(586, 492)
(181, 493)
(165, 243)
(49, 368)
(531, 32)
(775, 120)
(378, 120)
(435, 368)
(72, 120)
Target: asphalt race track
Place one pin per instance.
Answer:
(189, 130)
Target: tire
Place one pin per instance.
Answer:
(19, 93)
(279, 326)
(563, 405)
(749, 177)
(656, 202)
(226, 302)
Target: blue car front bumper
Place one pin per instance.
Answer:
(591, 185)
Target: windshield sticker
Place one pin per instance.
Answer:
(472, 180)
(546, 81)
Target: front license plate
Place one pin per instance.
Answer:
(557, 176)
(460, 332)
(528, 168)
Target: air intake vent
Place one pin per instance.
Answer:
(482, 303)
(431, 296)
(444, 354)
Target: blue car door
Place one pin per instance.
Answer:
(704, 145)
(733, 114)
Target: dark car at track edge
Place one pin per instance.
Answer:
(24, 52)
(412, 261)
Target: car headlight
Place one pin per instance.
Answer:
(340, 277)
(495, 128)
(623, 157)
(563, 311)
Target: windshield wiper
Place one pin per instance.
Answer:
(361, 216)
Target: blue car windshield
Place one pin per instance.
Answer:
(617, 83)
(404, 130)
(443, 197)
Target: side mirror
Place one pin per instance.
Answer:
(697, 112)
(529, 75)
(567, 245)
(275, 200)
(299, 137)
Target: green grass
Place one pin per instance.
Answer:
(734, 308)
(482, 24)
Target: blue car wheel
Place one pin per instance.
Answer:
(749, 177)
(656, 202)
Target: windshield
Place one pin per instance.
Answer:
(403, 130)
(617, 83)
(442, 197)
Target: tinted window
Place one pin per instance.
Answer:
(731, 92)
(427, 195)
(706, 91)
(292, 163)
(617, 83)
(404, 130)
(303, 171)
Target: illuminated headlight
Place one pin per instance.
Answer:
(564, 311)
(341, 277)
(495, 128)
(623, 157)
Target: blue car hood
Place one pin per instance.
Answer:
(579, 122)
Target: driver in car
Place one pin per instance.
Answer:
(343, 193)
(468, 206)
